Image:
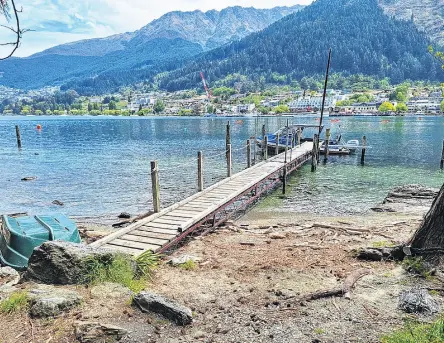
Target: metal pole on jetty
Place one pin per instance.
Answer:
(327, 141)
(248, 153)
(323, 103)
(364, 144)
(442, 156)
(314, 154)
(19, 137)
(200, 179)
(229, 165)
(155, 186)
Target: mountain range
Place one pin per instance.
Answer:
(281, 45)
(183, 34)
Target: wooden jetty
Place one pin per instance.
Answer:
(161, 231)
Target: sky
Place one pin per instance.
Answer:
(56, 22)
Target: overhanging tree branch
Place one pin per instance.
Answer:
(18, 32)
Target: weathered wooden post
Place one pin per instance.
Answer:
(299, 135)
(229, 165)
(277, 144)
(286, 145)
(364, 144)
(155, 186)
(284, 180)
(327, 142)
(442, 156)
(200, 179)
(227, 138)
(265, 143)
(248, 153)
(314, 154)
(19, 137)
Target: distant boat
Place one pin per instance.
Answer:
(19, 236)
(336, 147)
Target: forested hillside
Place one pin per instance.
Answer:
(363, 39)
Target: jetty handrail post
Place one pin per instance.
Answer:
(277, 144)
(286, 145)
(327, 142)
(229, 164)
(227, 137)
(314, 154)
(19, 137)
(299, 136)
(442, 156)
(265, 143)
(155, 186)
(248, 153)
(200, 179)
(364, 144)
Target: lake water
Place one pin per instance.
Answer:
(100, 166)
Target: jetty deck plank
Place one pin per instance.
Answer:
(157, 231)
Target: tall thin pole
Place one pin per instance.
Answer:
(286, 145)
(323, 100)
(200, 179)
(19, 137)
(229, 164)
(227, 137)
(442, 156)
(248, 153)
(155, 186)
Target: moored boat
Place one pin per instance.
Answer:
(20, 235)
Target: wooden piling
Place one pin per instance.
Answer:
(200, 179)
(265, 143)
(19, 137)
(314, 154)
(286, 145)
(442, 156)
(227, 138)
(299, 135)
(229, 164)
(277, 144)
(284, 180)
(327, 141)
(155, 186)
(264, 148)
(364, 144)
(248, 153)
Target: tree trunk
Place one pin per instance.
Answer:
(430, 236)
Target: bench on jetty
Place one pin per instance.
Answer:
(160, 231)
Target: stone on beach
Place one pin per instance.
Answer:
(49, 301)
(63, 263)
(418, 301)
(150, 302)
(93, 332)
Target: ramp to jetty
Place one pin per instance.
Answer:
(161, 231)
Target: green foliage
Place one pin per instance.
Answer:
(281, 109)
(400, 93)
(224, 92)
(386, 107)
(415, 332)
(253, 99)
(123, 270)
(439, 55)
(418, 266)
(146, 263)
(401, 107)
(185, 112)
(441, 106)
(159, 106)
(16, 302)
(364, 97)
(188, 265)
(263, 110)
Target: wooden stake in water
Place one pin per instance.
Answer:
(248, 153)
(277, 144)
(200, 179)
(155, 186)
(284, 180)
(19, 137)
(227, 137)
(327, 142)
(299, 135)
(265, 143)
(364, 144)
(314, 154)
(264, 147)
(229, 165)
(442, 156)
(286, 144)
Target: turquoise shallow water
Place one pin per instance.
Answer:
(100, 165)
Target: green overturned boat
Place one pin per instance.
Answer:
(20, 235)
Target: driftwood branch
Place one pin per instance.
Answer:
(349, 283)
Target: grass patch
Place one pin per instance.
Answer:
(16, 302)
(415, 332)
(131, 273)
(418, 266)
(188, 265)
(382, 244)
(319, 331)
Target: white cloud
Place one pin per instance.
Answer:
(62, 21)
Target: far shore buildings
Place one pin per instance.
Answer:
(312, 103)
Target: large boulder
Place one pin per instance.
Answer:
(93, 332)
(418, 301)
(63, 263)
(49, 301)
(150, 302)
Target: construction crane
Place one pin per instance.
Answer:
(204, 82)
